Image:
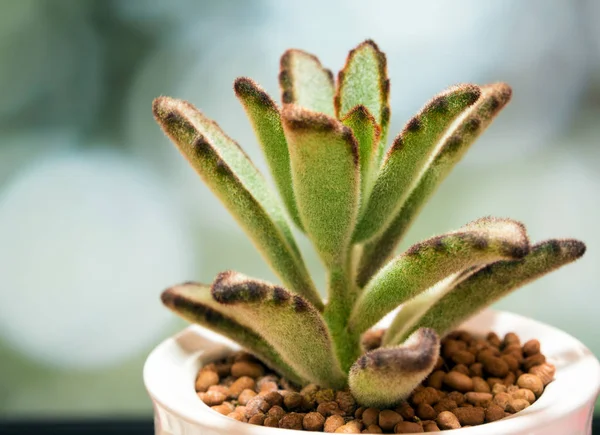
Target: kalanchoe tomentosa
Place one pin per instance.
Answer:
(355, 199)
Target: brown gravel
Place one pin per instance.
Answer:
(475, 381)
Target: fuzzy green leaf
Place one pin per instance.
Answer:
(194, 303)
(305, 82)
(230, 174)
(424, 264)
(326, 178)
(409, 155)
(367, 134)
(383, 377)
(414, 309)
(293, 326)
(363, 82)
(493, 282)
(461, 135)
(266, 121)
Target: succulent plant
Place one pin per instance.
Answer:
(354, 198)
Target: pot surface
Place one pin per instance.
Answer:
(565, 408)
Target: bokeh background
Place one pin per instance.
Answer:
(99, 213)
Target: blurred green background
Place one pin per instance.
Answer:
(99, 213)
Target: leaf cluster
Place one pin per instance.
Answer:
(354, 198)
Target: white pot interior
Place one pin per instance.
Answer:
(565, 408)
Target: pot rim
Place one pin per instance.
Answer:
(577, 375)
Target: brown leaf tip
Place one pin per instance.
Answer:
(164, 110)
(418, 354)
(369, 43)
(246, 87)
(359, 112)
(298, 118)
(168, 297)
(231, 287)
(384, 82)
(575, 247)
(570, 248)
(504, 92)
(499, 94)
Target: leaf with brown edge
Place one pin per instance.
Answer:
(460, 137)
(480, 242)
(288, 322)
(363, 82)
(383, 377)
(230, 174)
(266, 120)
(325, 174)
(409, 155)
(367, 134)
(194, 303)
(304, 81)
(493, 282)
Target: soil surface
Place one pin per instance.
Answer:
(475, 381)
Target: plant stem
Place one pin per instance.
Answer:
(342, 294)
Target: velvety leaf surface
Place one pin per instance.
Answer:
(458, 140)
(326, 178)
(363, 82)
(495, 281)
(228, 172)
(194, 303)
(266, 120)
(288, 322)
(385, 376)
(409, 155)
(424, 264)
(415, 308)
(367, 134)
(305, 82)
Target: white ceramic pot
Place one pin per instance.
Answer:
(565, 408)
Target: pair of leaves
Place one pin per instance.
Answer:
(407, 157)
(481, 242)
(283, 329)
(331, 160)
(457, 140)
(384, 376)
(230, 174)
(466, 294)
(194, 303)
